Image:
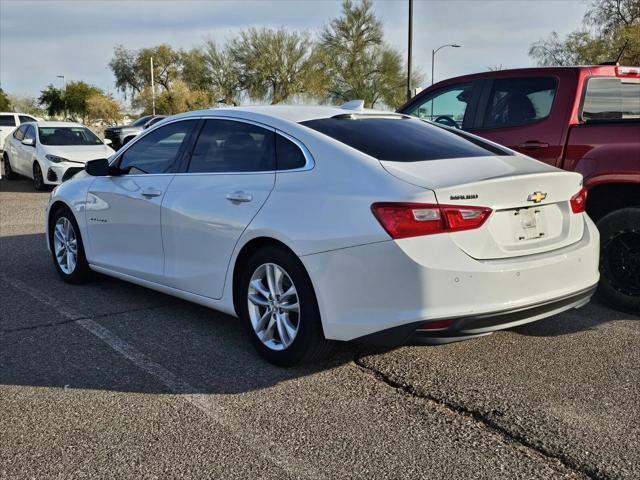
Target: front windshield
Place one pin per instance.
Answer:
(141, 121)
(79, 136)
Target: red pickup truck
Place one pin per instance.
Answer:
(584, 119)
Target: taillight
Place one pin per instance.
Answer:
(627, 72)
(402, 220)
(579, 201)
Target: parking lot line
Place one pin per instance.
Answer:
(173, 383)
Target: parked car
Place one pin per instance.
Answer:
(50, 152)
(120, 135)
(583, 119)
(8, 123)
(322, 223)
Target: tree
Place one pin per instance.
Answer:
(224, 74)
(27, 105)
(274, 64)
(608, 26)
(52, 99)
(5, 104)
(358, 64)
(103, 107)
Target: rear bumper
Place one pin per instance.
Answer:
(372, 289)
(477, 325)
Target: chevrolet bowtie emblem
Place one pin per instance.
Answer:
(536, 197)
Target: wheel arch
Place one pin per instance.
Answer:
(242, 258)
(607, 197)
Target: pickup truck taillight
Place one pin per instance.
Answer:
(403, 220)
(579, 201)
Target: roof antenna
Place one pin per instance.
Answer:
(626, 42)
(353, 105)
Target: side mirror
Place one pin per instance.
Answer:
(107, 142)
(29, 142)
(97, 168)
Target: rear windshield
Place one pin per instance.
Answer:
(399, 139)
(610, 98)
(67, 136)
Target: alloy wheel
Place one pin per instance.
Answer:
(65, 244)
(621, 262)
(274, 308)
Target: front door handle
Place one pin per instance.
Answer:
(239, 197)
(151, 192)
(533, 145)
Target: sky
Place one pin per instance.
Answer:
(75, 38)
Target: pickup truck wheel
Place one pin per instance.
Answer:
(620, 259)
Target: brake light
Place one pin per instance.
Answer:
(579, 201)
(628, 72)
(402, 220)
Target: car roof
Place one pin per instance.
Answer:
(292, 113)
(57, 124)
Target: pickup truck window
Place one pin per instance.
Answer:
(519, 101)
(7, 121)
(610, 98)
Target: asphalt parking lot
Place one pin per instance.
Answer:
(114, 380)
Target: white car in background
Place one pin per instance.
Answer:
(51, 152)
(8, 123)
(322, 223)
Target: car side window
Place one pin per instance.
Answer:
(518, 101)
(288, 154)
(159, 151)
(26, 118)
(19, 133)
(30, 133)
(232, 146)
(449, 102)
(7, 121)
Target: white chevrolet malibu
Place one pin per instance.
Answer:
(314, 224)
(51, 152)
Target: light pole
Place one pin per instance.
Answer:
(433, 56)
(64, 98)
(410, 41)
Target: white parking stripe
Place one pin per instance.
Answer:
(176, 385)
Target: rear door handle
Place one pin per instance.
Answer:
(533, 145)
(151, 192)
(239, 197)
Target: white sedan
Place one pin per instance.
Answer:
(314, 224)
(50, 152)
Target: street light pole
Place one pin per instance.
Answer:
(433, 56)
(64, 98)
(410, 42)
(153, 90)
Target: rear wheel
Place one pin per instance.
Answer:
(67, 248)
(279, 308)
(38, 180)
(8, 171)
(620, 259)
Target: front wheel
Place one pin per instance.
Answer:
(279, 308)
(38, 179)
(67, 248)
(620, 259)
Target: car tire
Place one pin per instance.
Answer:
(38, 179)
(8, 171)
(273, 339)
(620, 259)
(64, 236)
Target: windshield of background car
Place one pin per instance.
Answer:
(400, 139)
(141, 121)
(610, 98)
(77, 136)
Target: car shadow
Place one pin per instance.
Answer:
(20, 185)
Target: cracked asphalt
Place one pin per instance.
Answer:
(111, 380)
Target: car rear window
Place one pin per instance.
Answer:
(611, 98)
(399, 139)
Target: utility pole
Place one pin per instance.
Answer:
(153, 90)
(410, 42)
(64, 98)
